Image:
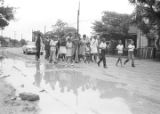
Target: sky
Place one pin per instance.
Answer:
(42, 14)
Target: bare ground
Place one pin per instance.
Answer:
(9, 104)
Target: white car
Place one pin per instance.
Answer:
(30, 48)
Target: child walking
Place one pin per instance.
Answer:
(120, 52)
(131, 48)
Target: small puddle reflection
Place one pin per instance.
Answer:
(67, 90)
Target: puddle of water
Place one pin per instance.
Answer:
(67, 90)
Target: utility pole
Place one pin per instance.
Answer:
(77, 35)
(78, 13)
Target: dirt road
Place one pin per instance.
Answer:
(85, 88)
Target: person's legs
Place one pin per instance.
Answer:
(121, 60)
(47, 54)
(104, 61)
(104, 58)
(100, 58)
(89, 58)
(70, 59)
(118, 61)
(38, 54)
(54, 56)
(51, 56)
(95, 57)
(128, 58)
(132, 57)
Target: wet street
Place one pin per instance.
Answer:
(85, 88)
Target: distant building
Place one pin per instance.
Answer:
(141, 40)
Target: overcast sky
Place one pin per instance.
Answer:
(35, 14)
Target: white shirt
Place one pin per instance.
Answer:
(131, 47)
(94, 45)
(103, 45)
(53, 44)
(69, 45)
(120, 48)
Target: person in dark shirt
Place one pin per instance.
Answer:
(47, 48)
(38, 46)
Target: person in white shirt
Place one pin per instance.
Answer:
(120, 52)
(94, 48)
(102, 47)
(69, 46)
(131, 48)
(53, 44)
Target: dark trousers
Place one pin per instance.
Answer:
(47, 53)
(103, 57)
(38, 54)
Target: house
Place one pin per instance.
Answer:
(140, 40)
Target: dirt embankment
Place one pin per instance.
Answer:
(9, 104)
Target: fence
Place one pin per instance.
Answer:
(142, 53)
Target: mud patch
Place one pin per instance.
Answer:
(14, 106)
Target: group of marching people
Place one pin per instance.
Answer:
(71, 50)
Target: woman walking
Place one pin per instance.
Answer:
(53, 44)
(62, 49)
(82, 48)
(94, 48)
(69, 46)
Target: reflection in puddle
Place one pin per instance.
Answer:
(68, 91)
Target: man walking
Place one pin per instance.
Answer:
(38, 46)
(131, 48)
(102, 48)
(47, 48)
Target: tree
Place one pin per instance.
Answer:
(61, 29)
(6, 14)
(112, 24)
(35, 33)
(58, 28)
(23, 42)
(147, 18)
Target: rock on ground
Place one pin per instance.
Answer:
(29, 96)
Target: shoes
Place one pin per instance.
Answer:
(105, 66)
(133, 65)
